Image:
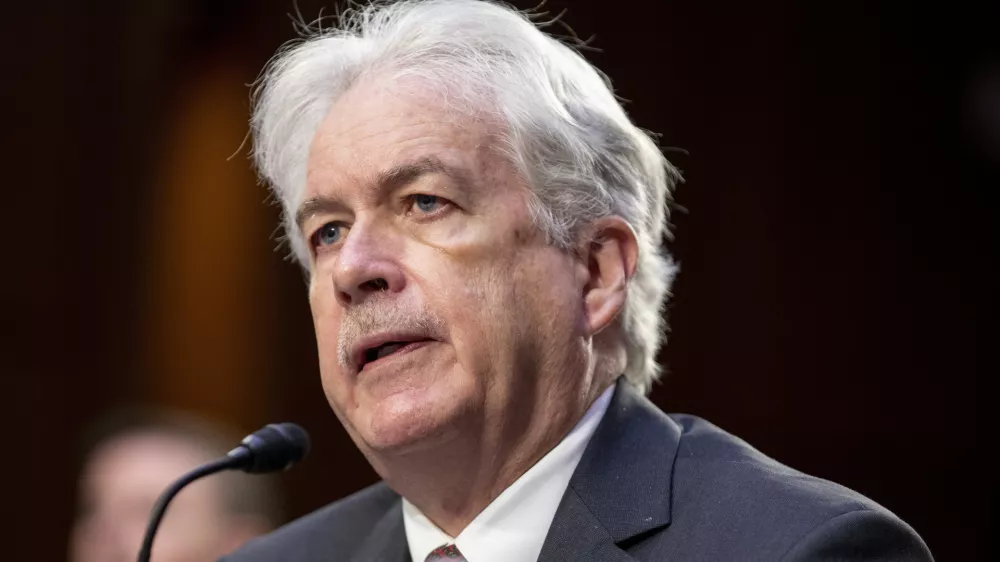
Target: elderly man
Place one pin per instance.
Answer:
(481, 225)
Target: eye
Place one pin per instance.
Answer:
(327, 235)
(427, 203)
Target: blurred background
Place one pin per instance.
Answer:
(838, 159)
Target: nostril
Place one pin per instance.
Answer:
(379, 284)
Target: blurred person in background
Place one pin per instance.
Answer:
(130, 460)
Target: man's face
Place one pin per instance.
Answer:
(118, 488)
(437, 303)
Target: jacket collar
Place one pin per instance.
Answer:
(622, 486)
(387, 540)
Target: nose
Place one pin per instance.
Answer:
(366, 264)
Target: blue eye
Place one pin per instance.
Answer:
(328, 234)
(426, 203)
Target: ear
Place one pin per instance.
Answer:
(611, 252)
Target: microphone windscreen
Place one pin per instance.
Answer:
(276, 447)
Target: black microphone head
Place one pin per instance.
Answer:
(275, 447)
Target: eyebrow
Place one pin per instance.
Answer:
(396, 176)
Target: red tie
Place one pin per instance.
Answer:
(445, 552)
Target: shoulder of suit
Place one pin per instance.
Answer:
(332, 528)
(714, 466)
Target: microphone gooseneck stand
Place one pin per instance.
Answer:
(275, 447)
(160, 508)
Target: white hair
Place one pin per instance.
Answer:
(565, 131)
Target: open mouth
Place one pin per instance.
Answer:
(389, 349)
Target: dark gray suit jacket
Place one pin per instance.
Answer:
(650, 487)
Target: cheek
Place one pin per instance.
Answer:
(546, 296)
(463, 292)
(326, 314)
(488, 305)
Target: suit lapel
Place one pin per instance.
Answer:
(387, 540)
(621, 488)
(577, 535)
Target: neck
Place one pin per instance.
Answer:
(452, 482)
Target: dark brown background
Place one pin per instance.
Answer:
(838, 161)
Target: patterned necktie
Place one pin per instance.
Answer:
(445, 552)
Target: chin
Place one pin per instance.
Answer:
(410, 420)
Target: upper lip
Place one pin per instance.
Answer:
(360, 347)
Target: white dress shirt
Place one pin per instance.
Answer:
(513, 527)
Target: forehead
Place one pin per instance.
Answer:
(141, 461)
(375, 125)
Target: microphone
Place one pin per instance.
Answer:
(275, 447)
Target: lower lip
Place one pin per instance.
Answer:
(399, 352)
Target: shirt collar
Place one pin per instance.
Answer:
(514, 525)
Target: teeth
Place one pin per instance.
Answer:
(387, 349)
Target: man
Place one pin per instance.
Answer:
(481, 226)
(132, 459)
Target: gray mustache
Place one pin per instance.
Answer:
(376, 315)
